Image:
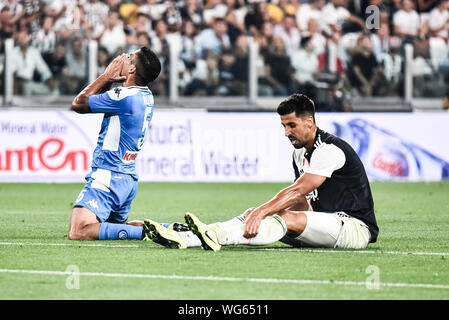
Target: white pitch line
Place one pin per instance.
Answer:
(45, 244)
(422, 253)
(103, 245)
(227, 279)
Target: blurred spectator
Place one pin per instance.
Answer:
(45, 38)
(159, 45)
(310, 10)
(56, 61)
(223, 26)
(154, 9)
(334, 14)
(206, 76)
(142, 24)
(32, 10)
(188, 54)
(235, 29)
(113, 4)
(275, 12)
(141, 39)
(15, 9)
(381, 40)
(158, 40)
(423, 7)
(128, 11)
(172, 16)
(103, 60)
(67, 17)
(76, 77)
(331, 69)
(265, 37)
(367, 75)
(95, 12)
(112, 37)
(406, 22)
(357, 9)
(289, 34)
(317, 38)
(439, 34)
(225, 67)
(6, 23)
(305, 62)
(289, 6)
(214, 39)
(213, 9)
(239, 10)
(135, 32)
(386, 49)
(278, 70)
(439, 20)
(255, 17)
(239, 68)
(31, 71)
(193, 11)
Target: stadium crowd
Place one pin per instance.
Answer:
(295, 38)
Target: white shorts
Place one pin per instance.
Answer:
(332, 230)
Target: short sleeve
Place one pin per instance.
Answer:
(326, 159)
(111, 102)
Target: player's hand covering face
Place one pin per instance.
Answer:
(114, 69)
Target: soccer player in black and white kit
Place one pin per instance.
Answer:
(329, 205)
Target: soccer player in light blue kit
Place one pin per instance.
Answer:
(102, 208)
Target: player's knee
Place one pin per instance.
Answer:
(295, 221)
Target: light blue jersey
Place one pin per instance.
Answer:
(112, 184)
(127, 114)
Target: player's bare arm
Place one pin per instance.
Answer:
(291, 196)
(300, 205)
(103, 83)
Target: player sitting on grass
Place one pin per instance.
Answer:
(102, 208)
(330, 180)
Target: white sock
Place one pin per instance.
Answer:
(271, 229)
(190, 239)
(234, 221)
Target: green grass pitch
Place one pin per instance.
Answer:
(409, 261)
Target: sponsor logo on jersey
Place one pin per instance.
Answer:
(313, 195)
(80, 196)
(130, 156)
(93, 203)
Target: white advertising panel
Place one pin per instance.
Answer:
(57, 146)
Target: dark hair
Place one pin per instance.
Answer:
(304, 41)
(148, 66)
(219, 19)
(300, 104)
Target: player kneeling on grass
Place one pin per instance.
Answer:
(330, 180)
(102, 208)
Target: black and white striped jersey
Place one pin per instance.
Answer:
(346, 188)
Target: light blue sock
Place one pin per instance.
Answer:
(117, 231)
